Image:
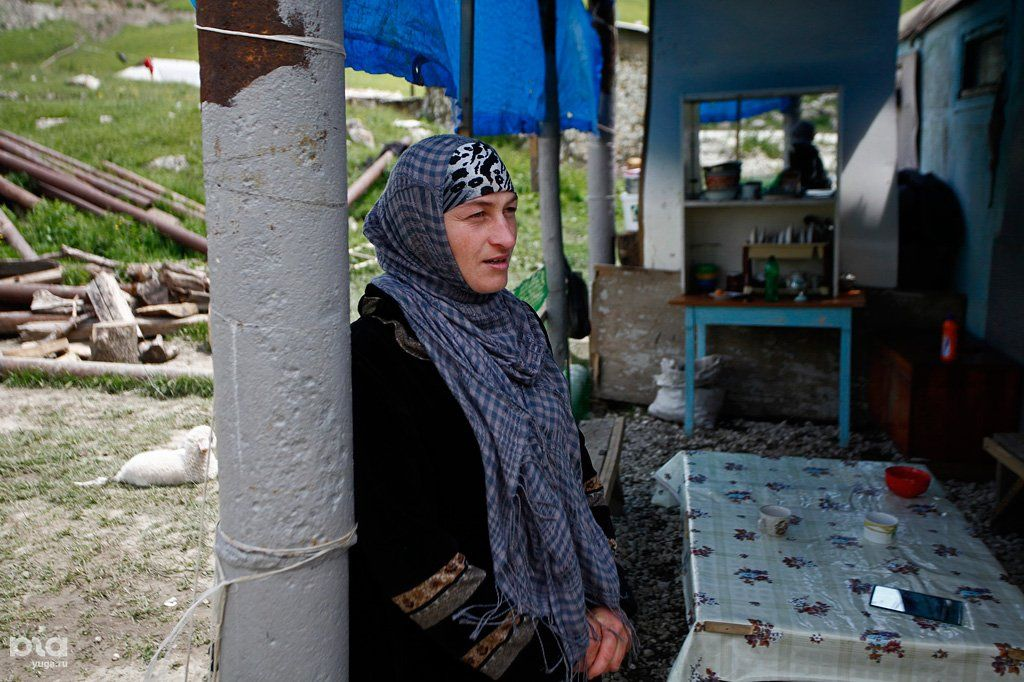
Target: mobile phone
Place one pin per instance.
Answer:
(916, 604)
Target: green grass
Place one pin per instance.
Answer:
(633, 11)
(159, 388)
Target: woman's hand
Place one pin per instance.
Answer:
(609, 643)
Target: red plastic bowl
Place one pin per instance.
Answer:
(907, 481)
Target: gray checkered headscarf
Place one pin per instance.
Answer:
(550, 557)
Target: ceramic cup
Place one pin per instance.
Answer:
(880, 527)
(773, 520)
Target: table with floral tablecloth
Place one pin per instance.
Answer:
(796, 608)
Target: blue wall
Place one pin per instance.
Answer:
(954, 139)
(743, 45)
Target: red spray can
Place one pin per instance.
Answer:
(950, 332)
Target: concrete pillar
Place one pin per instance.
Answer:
(601, 155)
(274, 159)
(549, 146)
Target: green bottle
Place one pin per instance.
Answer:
(771, 279)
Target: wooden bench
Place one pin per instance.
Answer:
(604, 442)
(1008, 451)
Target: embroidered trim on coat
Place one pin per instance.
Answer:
(405, 339)
(493, 654)
(441, 594)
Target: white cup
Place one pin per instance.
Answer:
(880, 527)
(773, 520)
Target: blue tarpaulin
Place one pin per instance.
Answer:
(725, 110)
(418, 40)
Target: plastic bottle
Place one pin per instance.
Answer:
(950, 334)
(771, 279)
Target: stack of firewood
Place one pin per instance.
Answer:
(107, 320)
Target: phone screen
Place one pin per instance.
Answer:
(916, 604)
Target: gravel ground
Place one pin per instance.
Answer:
(649, 536)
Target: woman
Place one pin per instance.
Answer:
(481, 553)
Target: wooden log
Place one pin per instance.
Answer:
(152, 292)
(10, 321)
(81, 330)
(71, 328)
(183, 282)
(108, 299)
(47, 276)
(38, 349)
(86, 257)
(169, 310)
(45, 302)
(11, 235)
(69, 198)
(82, 351)
(156, 351)
(151, 326)
(361, 184)
(115, 341)
(106, 182)
(17, 293)
(167, 225)
(156, 187)
(18, 195)
(94, 369)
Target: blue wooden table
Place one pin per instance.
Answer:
(831, 313)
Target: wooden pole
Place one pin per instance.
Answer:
(19, 195)
(165, 224)
(11, 235)
(86, 368)
(466, 50)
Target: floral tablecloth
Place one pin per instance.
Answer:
(802, 601)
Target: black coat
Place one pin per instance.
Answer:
(423, 552)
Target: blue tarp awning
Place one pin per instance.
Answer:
(418, 40)
(726, 110)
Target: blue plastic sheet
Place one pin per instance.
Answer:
(418, 40)
(714, 112)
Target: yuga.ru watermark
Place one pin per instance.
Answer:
(49, 653)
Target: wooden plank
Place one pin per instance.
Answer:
(726, 628)
(597, 433)
(633, 328)
(38, 349)
(86, 257)
(108, 299)
(610, 470)
(169, 310)
(1010, 457)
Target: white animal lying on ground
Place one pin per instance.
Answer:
(186, 464)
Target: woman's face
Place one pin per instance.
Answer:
(482, 234)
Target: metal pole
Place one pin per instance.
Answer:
(274, 160)
(466, 68)
(601, 156)
(550, 205)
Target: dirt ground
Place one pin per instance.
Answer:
(108, 568)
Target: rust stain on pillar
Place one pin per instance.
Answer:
(230, 63)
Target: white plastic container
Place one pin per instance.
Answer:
(630, 211)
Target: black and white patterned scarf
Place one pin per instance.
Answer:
(550, 557)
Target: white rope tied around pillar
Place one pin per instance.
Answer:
(311, 553)
(301, 41)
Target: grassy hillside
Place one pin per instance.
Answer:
(154, 119)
